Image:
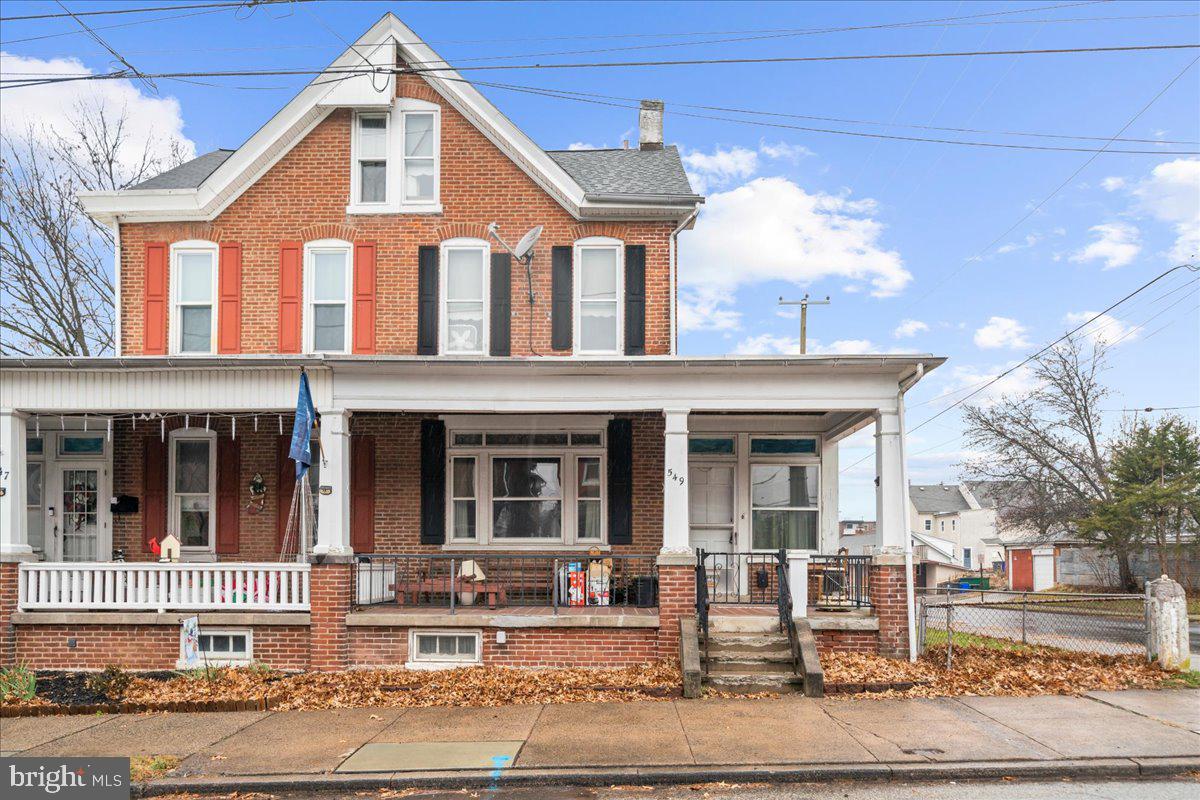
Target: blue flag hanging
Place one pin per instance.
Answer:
(306, 417)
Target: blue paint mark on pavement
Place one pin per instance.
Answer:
(498, 765)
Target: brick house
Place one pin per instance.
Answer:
(515, 465)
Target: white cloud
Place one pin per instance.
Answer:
(965, 378)
(1112, 183)
(771, 229)
(770, 344)
(1107, 329)
(157, 120)
(582, 146)
(1117, 244)
(784, 150)
(845, 347)
(909, 328)
(720, 167)
(1172, 194)
(1001, 332)
(699, 313)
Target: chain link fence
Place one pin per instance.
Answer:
(1107, 624)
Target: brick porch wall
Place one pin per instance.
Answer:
(330, 592)
(846, 642)
(676, 598)
(887, 594)
(372, 646)
(8, 604)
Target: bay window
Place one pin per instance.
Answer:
(327, 291)
(193, 482)
(784, 506)
(520, 488)
(194, 289)
(598, 290)
(464, 296)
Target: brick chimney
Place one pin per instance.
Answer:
(650, 125)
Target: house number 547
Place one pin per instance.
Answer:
(672, 475)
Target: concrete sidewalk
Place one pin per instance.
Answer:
(1105, 733)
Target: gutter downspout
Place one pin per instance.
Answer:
(673, 257)
(910, 600)
(116, 230)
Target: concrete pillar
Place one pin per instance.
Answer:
(333, 508)
(890, 514)
(675, 483)
(14, 526)
(1167, 618)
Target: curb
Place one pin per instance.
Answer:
(1095, 768)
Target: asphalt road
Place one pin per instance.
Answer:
(1094, 633)
(1177, 789)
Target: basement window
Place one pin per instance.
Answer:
(429, 649)
(224, 647)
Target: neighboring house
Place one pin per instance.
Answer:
(486, 424)
(964, 514)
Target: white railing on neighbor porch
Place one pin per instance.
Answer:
(153, 586)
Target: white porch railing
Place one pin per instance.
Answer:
(157, 586)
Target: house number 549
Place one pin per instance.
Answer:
(672, 475)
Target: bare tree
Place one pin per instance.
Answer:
(56, 285)
(1048, 446)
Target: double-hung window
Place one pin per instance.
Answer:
(464, 296)
(193, 473)
(194, 323)
(599, 271)
(371, 158)
(327, 288)
(784, 506)
(420, 156)
(514, 488)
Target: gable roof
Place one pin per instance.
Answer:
(988, 493)
(189, 174)
(937, 498)
(627, 172)
(388, 42)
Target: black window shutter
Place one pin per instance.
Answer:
(620, 482)
(561, 296)
(501, 322)
(427, 301)
(433, 481)
(635, 300)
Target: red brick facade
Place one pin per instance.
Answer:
(331, 588)
(372, 646)
(889, 602)
(303, 197)
(847, 642)
(8, 604)
(676, 598)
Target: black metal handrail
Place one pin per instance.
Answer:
(702, 603)
(786, 625)
(841, 581)
(505, 580)
(741, 578)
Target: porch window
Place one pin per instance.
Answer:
(598, 290)
(192, 481)
(589, 500)
(775, 446)
(462, 496)
(371, 158)
(711, 446)
(527, 498)
(783, 500)
(327, 286)
(82, 445)
(464, 297)
(194, 284)
(35, 474)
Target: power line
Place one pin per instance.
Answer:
(1056, 189)
(98, 40)
(240, 3)
(164, 18)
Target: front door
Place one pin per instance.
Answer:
(77, 530)
(711, 515)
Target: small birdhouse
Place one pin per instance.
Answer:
(170, 548)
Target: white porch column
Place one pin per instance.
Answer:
(828, 533)
(333, 509)
(14, 527)
(675, 482)
(890, 514)
(798, 582)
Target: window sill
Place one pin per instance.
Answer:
(432, 666)
(393, 208)
(576, 549)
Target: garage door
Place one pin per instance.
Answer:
(1022, 570)
(1043, 571)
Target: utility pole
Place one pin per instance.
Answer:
(804, 303)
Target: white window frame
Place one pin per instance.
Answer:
(415, 661)
(568, 456)
(214, 661)
(311, 249)
(929, 525)
(485, 250)
(395, 172)
(41, 461)
(357, 157)
(193, 553)
(597, 243)
(453, 498)
(176, 315)
(811, 462)
(967, 554)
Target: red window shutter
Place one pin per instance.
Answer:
(286, 481)
(362, 494)
(229, 478)
(154, 491)
(154, 336)
(291, 269)
(229, 293)
(364, 298)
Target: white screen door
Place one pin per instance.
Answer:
(711, 507)
(80, 521)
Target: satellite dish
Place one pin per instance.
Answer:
(525, 246)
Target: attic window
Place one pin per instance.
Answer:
(371, 158)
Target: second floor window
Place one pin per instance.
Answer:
(327, 311)
(372, 158)
(598, 290)
(194, 320)
(420, 157)
(464, 300)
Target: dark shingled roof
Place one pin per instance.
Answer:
(937, 498)
(626, 171)
(189, 174)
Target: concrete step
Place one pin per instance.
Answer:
(749, 684)
(744, 667)
(742, 642)
(737, 623)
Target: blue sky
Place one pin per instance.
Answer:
(892, 231)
